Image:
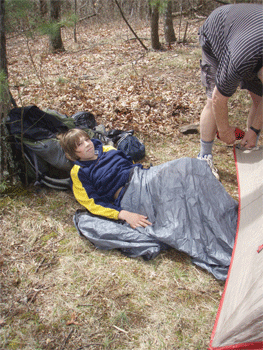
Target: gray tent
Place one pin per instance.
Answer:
(239, 322)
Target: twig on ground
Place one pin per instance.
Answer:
(40, 264)
(67, 339)
(32, 299)
(88, 345)
(120, 329)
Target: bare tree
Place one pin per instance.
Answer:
(168, 24)
(55, 38)
(154, 8)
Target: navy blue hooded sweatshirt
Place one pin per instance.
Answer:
(95, 182)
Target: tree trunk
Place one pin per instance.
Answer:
(3, 41)
(56, 44)
(75, 23)
(155, 27)
(168, 24)
(6, 159)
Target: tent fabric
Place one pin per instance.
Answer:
(239, 322)
(189, 209)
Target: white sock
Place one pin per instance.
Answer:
(206, 147)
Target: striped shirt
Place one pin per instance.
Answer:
(233, 35)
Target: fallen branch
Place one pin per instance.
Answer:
(87, 17)
(136, 36)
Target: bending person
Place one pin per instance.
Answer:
(231, 39)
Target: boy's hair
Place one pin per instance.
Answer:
(69, 142)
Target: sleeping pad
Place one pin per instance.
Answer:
(189, 210)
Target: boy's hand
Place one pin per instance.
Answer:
(133, 219)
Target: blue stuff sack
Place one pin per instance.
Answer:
(131, 146)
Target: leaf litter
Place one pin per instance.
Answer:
(57, 290)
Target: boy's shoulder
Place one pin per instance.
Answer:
(107, 148)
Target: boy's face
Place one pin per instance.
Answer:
(85, 149)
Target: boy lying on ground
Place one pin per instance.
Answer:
(179, 203)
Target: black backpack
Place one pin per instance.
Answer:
(128, 143)
(38, 153)
(35, 147)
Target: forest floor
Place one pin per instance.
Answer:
(57, 290)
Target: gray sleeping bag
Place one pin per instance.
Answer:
(188, 208)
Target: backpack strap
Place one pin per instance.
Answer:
(37, 182)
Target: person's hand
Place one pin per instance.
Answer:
(133, 219)
(228, 135)
(249, 140)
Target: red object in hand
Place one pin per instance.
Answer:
(238, 132)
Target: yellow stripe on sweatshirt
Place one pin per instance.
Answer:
(107, 148)
(89, 203)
